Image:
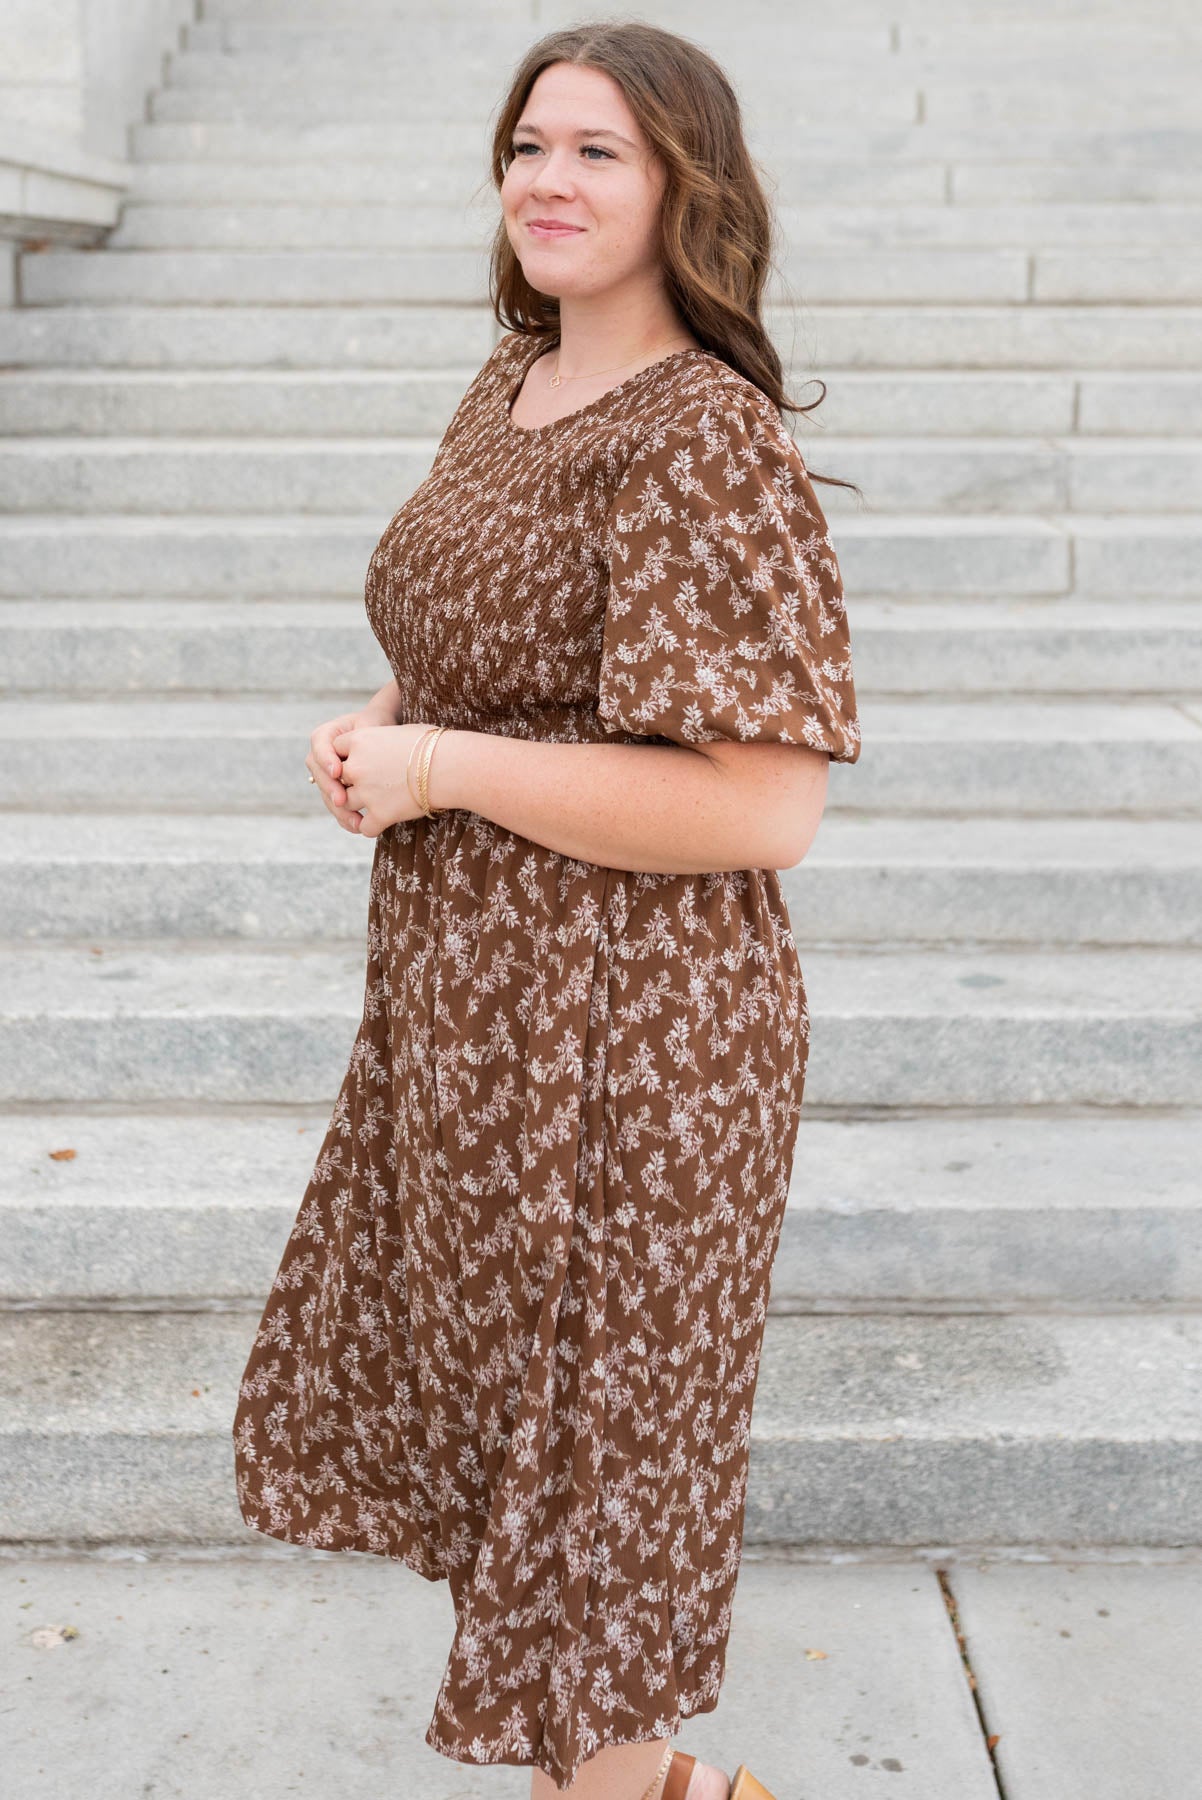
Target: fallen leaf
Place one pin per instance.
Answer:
(61, 1155)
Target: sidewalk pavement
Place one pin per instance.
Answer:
(281, 1672)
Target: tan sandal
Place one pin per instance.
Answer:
(743, 1787)
(746, 1787)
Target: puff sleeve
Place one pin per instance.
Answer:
(725, 615)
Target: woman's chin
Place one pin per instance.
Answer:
(555, 283)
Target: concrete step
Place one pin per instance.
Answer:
(305, 181)
(1026, 1429)
(842, 92)
(904, 474)
(1005, 881)
(946, 339)
(221, 876)
(303, 556)
(877, 39)
(1064, 646)
(1018, 756)
(871, 91)
(153, 476)
(974, 1027)
(867, 879)
(493, 31)
(289, 278)
(998, 406)
(895, 1213)
(267, 224)
(459, 177)
(1051, 183)
(1115, 275)
(237, 403)
(928, 555)
(788, 149)
(96, 646)
(1108, 757)
(759, 59)
(300, 34)
(147, 1023)
(989, 1430)
(235, 338)
(957, 15)
(462, 98)
(458, 277)
(918, 276)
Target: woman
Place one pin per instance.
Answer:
(514, 1336)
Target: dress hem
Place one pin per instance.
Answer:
(411, 1557)
(482, 1759)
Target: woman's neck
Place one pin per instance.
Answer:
(592, 339)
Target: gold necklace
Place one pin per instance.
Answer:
(557, 377)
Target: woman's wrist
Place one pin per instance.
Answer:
(383, 708)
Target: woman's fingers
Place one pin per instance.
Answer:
(326, 767)
(322, 742)
(323, 760)
(333, 794)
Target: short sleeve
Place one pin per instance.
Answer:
(725, 615)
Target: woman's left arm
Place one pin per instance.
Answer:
(669, 808)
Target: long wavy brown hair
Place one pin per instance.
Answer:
(717, 229)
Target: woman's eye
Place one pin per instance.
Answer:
(599, 148)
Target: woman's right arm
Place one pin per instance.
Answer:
(384, 708)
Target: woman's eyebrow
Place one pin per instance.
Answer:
(585, 131)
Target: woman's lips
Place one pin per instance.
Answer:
(554, 231)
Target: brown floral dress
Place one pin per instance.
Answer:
(515, 1332)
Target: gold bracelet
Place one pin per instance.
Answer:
(419, 739)
(423, 770)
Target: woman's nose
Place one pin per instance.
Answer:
(552, 173)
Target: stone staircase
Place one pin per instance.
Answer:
(986, 1323)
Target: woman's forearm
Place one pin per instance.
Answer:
(663, 807)
(384, 707)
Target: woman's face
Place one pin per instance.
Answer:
(582, 162)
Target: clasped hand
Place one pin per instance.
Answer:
(359, 768)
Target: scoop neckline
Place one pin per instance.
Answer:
(540, 349)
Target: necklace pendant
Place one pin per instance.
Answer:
(555, 381)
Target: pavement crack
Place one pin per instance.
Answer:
(990, 1738)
